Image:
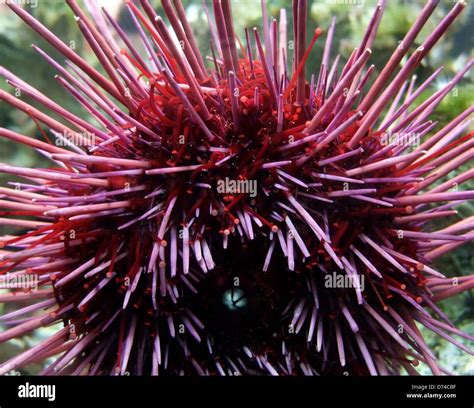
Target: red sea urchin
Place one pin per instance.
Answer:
(203, 226)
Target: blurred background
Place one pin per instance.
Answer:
(453, 51)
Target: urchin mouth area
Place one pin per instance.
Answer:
(236, 304)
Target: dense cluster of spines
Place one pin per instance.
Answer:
(134, 245)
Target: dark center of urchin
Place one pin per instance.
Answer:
(241, 306)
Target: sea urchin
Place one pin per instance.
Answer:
(235, 218)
